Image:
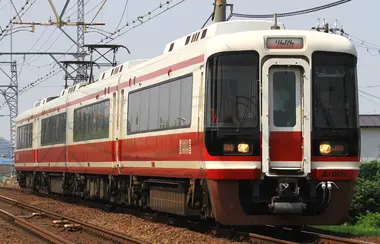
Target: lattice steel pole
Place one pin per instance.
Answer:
(10, 94)
(13, 102)
(80, 40)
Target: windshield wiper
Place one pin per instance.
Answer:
(324, 112)
(251, 100)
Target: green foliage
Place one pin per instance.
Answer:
(367, 193)
(369, 220)
(370, 171)
(353, 230)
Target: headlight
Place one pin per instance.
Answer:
(243, 148)
(325, 148)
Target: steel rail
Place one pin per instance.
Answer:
(43, 234)
(264, 238)
(335, 239)
(96, 230)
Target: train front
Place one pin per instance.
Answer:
(281, 127)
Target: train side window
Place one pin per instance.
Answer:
(53, 130)
(161, 107)
(92, 121)
(174, 103)
(164, 105)
(284, 99)
(153, 108)
(186, 96)
(144, 110)
(24, 136)
(133, 112)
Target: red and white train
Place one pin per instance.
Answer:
(238, 122)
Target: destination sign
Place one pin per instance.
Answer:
(284, 43)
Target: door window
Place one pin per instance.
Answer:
(284, 99)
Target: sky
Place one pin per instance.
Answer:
(149, 39)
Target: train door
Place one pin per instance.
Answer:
(286, 117)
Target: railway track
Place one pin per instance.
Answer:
(267, 234)
(288, 236)
(57, 228)
(24, 224)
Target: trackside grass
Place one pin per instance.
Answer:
(353, 230)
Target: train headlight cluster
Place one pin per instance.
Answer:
(236, 148)
(327, 148)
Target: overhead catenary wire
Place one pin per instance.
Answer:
(59, 58)
(122, 15)
(22, 12)
(29, 63)
(56, 71)
(140, 20)
(288, 14)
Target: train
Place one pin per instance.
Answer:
(242, 122)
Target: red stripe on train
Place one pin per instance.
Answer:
(160, 148)
(154, 74)
(335, 159)
(213, 174)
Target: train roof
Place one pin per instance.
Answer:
(213, 30)
(237, 27)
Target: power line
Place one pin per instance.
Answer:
(374, 96)
(57, 70)
(36, 82)
(5, 30)
(369, 99)
(288, 14)
(139, 20)
(122, 15)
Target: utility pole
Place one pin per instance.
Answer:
(220, 10)
(81, 29)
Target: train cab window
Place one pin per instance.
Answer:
(335, 104)
(232, 91)
(334, 77)
(284, 99)
(232, 102)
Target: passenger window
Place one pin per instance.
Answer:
(186, 96)
(284, 99)
(163, 111)
(153, 108)
(174, 103)
(133, 113)
(144, 110)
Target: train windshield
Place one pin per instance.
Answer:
(232, 85)
(334, 90)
